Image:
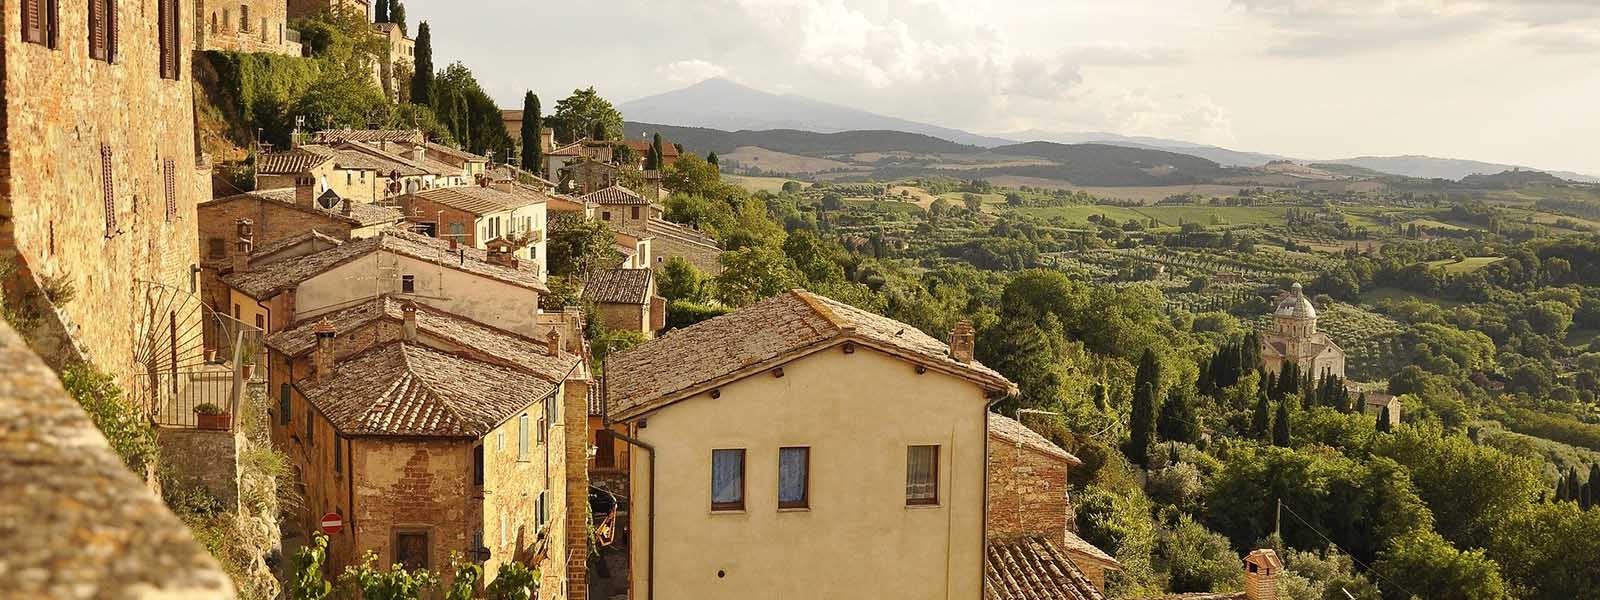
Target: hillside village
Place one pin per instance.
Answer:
(293, 311)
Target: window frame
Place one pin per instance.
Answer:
(478, 464)
(285, 405)
(605, 449)
(427, 547)
(805, 482)
(46, 34)
(170, 38)
(102, 31)
(933, 498)
(523, 424)
(736, 505)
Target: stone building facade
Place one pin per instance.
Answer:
(1294, 338)
(247, 26)
(398, 61)
(306, 8)
(1027, 481)
(99, 171)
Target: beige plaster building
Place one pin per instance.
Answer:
(773, 446)
(477, 215)
(1294, 338)
(432, 434)
(398, 61)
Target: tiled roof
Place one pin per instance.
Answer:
(580, 204)
(405, 389)
(1073, 543)
(494, 345)
(277, 277)
(679, 232)
(615, 194)
(573, 149)
(1009, 429)
(643, 148)
(290, 162)
(335, 136)
(361, 214)
(480, 200)
(457, 153)
(618, 286)
(81, 524)
(596, 405)
(365, 156)
(790, 324)
(275, 246)
(1031, 568)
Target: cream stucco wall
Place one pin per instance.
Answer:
(515, 221)
(858, 413)
(482, 299)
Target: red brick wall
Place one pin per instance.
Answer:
(1027, 491)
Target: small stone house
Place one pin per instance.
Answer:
(1377, 402)
(430, 434)
(626, 300)
(791, 431)
(622, 208)
(586, 176)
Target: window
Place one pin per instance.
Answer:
(542, 510)
(169, 36)
(501, 440)
(169, 177)
(605, 449)
(794, 477)
(408, 284)
(922, 475)
(213, 22)
(217, 248)
(103, 30)
(727, 479)
(411, 549)
(477, 464)
(108, 189)
(261, 321)
(543, 428)
(311, 427)
(338, 454)
(39, 22)
(244, 17)
(606, 215)
(264, 31)
(635, 212)
(522, 437)
(283, 404)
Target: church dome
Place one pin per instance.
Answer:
(1295, 305)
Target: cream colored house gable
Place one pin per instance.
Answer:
(857, 410)
(479, 298)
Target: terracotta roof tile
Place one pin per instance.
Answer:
(1031, 568)
(290, 162)
(264, 252)
(663, 370)
(277, 277)
(619, 286)
(335, 136)
(1011, 430)
(480, 200)
(361, 214)
(679, 232)
(615, 195)
(1073, 543)
(406, 389)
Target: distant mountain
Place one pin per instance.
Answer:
(1428, 167)
(728, 106)
(702, 140)
(1217, 154)
(1110, 165)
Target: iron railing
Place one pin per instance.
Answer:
(180, 393)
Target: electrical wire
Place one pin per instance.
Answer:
(1374, 572)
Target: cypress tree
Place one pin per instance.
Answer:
(1146, 381)
(1561, 489)
(380, 11)
(656, 152)
(712, 158)
(1206, 382)
(1261, 420)
(1594, 485)
(1574, 487)
(1383, 420)
(531, 124)
(1280, 425)
(1251, 352)
(1177, 422)
(422, 80)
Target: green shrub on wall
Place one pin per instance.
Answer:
(262, 87)
(124, 425)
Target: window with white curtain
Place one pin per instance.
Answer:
(922, 475)
(727, 479)
(794, 477)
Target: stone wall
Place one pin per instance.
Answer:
(246, 26)
(203, 458)
(574, 419)
(92, 528)
(1027, 491)
(701, 256)
(414, 486)
(306, 8)
(64, 115)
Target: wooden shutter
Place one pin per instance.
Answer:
(110, 26)
(33, 21)
(169, 39)
(169, 174)
(97, 30)
(107, 189)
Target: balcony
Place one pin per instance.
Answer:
(195, 362)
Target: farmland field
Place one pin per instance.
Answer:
(1465, 265)
(756, 184)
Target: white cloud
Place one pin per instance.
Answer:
(686, 72)
(1340, 27)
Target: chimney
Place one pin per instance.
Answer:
(500, 253)
(552, 343)
(409, 320)
(547, 138)
(305, 190)
(416, 153)
(962, 341)
(344, 207)
(1261, 569)
(244, 246)
(322, 357)
(503, 185)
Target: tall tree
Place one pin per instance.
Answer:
(583, 113)
(598, 133)
(532, 123)
(397, 14)
(1261, 419)
(1146, 384)
(712, 158)
(653, 160)
(1177, 423)
(1383, 421)
(422, 80)
(380, 11)
(1280, 425)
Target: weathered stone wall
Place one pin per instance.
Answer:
(630, 317)
(414, 485)
(272, 221)
(306, 8)
(246, 26)
(702, 257)
(62, 110)
(574, 416)
(203, 458)
(1027, 491)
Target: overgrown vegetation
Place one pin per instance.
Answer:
(124, 424)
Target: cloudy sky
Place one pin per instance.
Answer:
(1514, 81)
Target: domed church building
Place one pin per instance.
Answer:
(1294, 338)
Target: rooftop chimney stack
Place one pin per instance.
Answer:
(244, 245)
(1261, 569)
(323, 355)
(552, 343)
(305, 190)
(962, 341)
(408, 313)
(417, 152)
(344, 207)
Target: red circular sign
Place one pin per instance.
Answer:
(331, 523)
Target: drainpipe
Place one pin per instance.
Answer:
(650, 523)
(983, 555)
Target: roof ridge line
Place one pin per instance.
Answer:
(825, 312)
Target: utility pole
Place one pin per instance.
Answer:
(1277, 521)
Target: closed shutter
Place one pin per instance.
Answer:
(169, 39)
(108, 190)
(170, 176)
(33, 21)
(111, 30)
(97, 29)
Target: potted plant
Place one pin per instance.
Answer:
(211, 416)
(247, 363)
